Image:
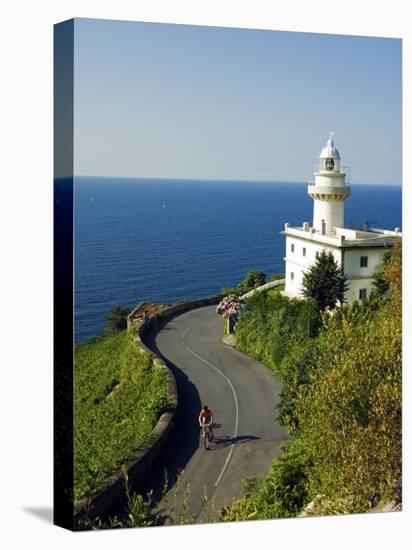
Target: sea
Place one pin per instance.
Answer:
(162, 241)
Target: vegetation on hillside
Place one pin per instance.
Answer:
(118, 396)
(271, 325)
(341, 400)
(278, 331)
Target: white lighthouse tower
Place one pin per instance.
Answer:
(358, 251)
(329, 191)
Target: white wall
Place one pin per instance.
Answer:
(297, 263)
(358, 277)
(330, 211)
(355, 285)
(352, 261)
(361, 277)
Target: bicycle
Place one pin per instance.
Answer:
(207, 433)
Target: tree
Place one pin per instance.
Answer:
(325, 282)
(252, 280)
(116, 319)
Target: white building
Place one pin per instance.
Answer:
(360, 252)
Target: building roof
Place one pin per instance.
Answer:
(345, 238)
(330, 151)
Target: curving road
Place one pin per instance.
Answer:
(242, 394)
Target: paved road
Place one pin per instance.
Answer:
(242, 394)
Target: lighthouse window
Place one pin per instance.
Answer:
(304, 251)
(292, 248)
(364, 261)
(292, 275)
(363, 294)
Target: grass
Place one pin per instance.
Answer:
(119, 395)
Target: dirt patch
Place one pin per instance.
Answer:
(149, 309)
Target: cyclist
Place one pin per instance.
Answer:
(206, 419)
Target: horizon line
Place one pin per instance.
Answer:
(198, 179)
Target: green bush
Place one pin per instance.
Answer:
(269, 325)
(295, 371)
(116, 319)
(280, 332)
(252, 280)
(282, 493)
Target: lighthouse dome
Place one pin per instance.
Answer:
(329, 151)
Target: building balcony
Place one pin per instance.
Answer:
(330, 192)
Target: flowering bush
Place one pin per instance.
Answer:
(229, 306)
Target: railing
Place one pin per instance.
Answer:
(346, 170)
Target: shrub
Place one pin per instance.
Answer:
(116, 319)
(282, 493)
(252, 280)
(270, 323)
(295, 370)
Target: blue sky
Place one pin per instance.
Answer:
(176, 101)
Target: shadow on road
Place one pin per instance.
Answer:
(185, 439)
(224, 441)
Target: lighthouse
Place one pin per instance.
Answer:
(358, 251)
(329, 190)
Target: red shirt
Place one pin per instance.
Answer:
(205, 416)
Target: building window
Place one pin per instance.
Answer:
(363, 294)
(292, 247)
(292, 275)
(317, 254)
(364, 261)
(304, 251)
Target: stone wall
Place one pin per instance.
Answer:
(262, 288)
